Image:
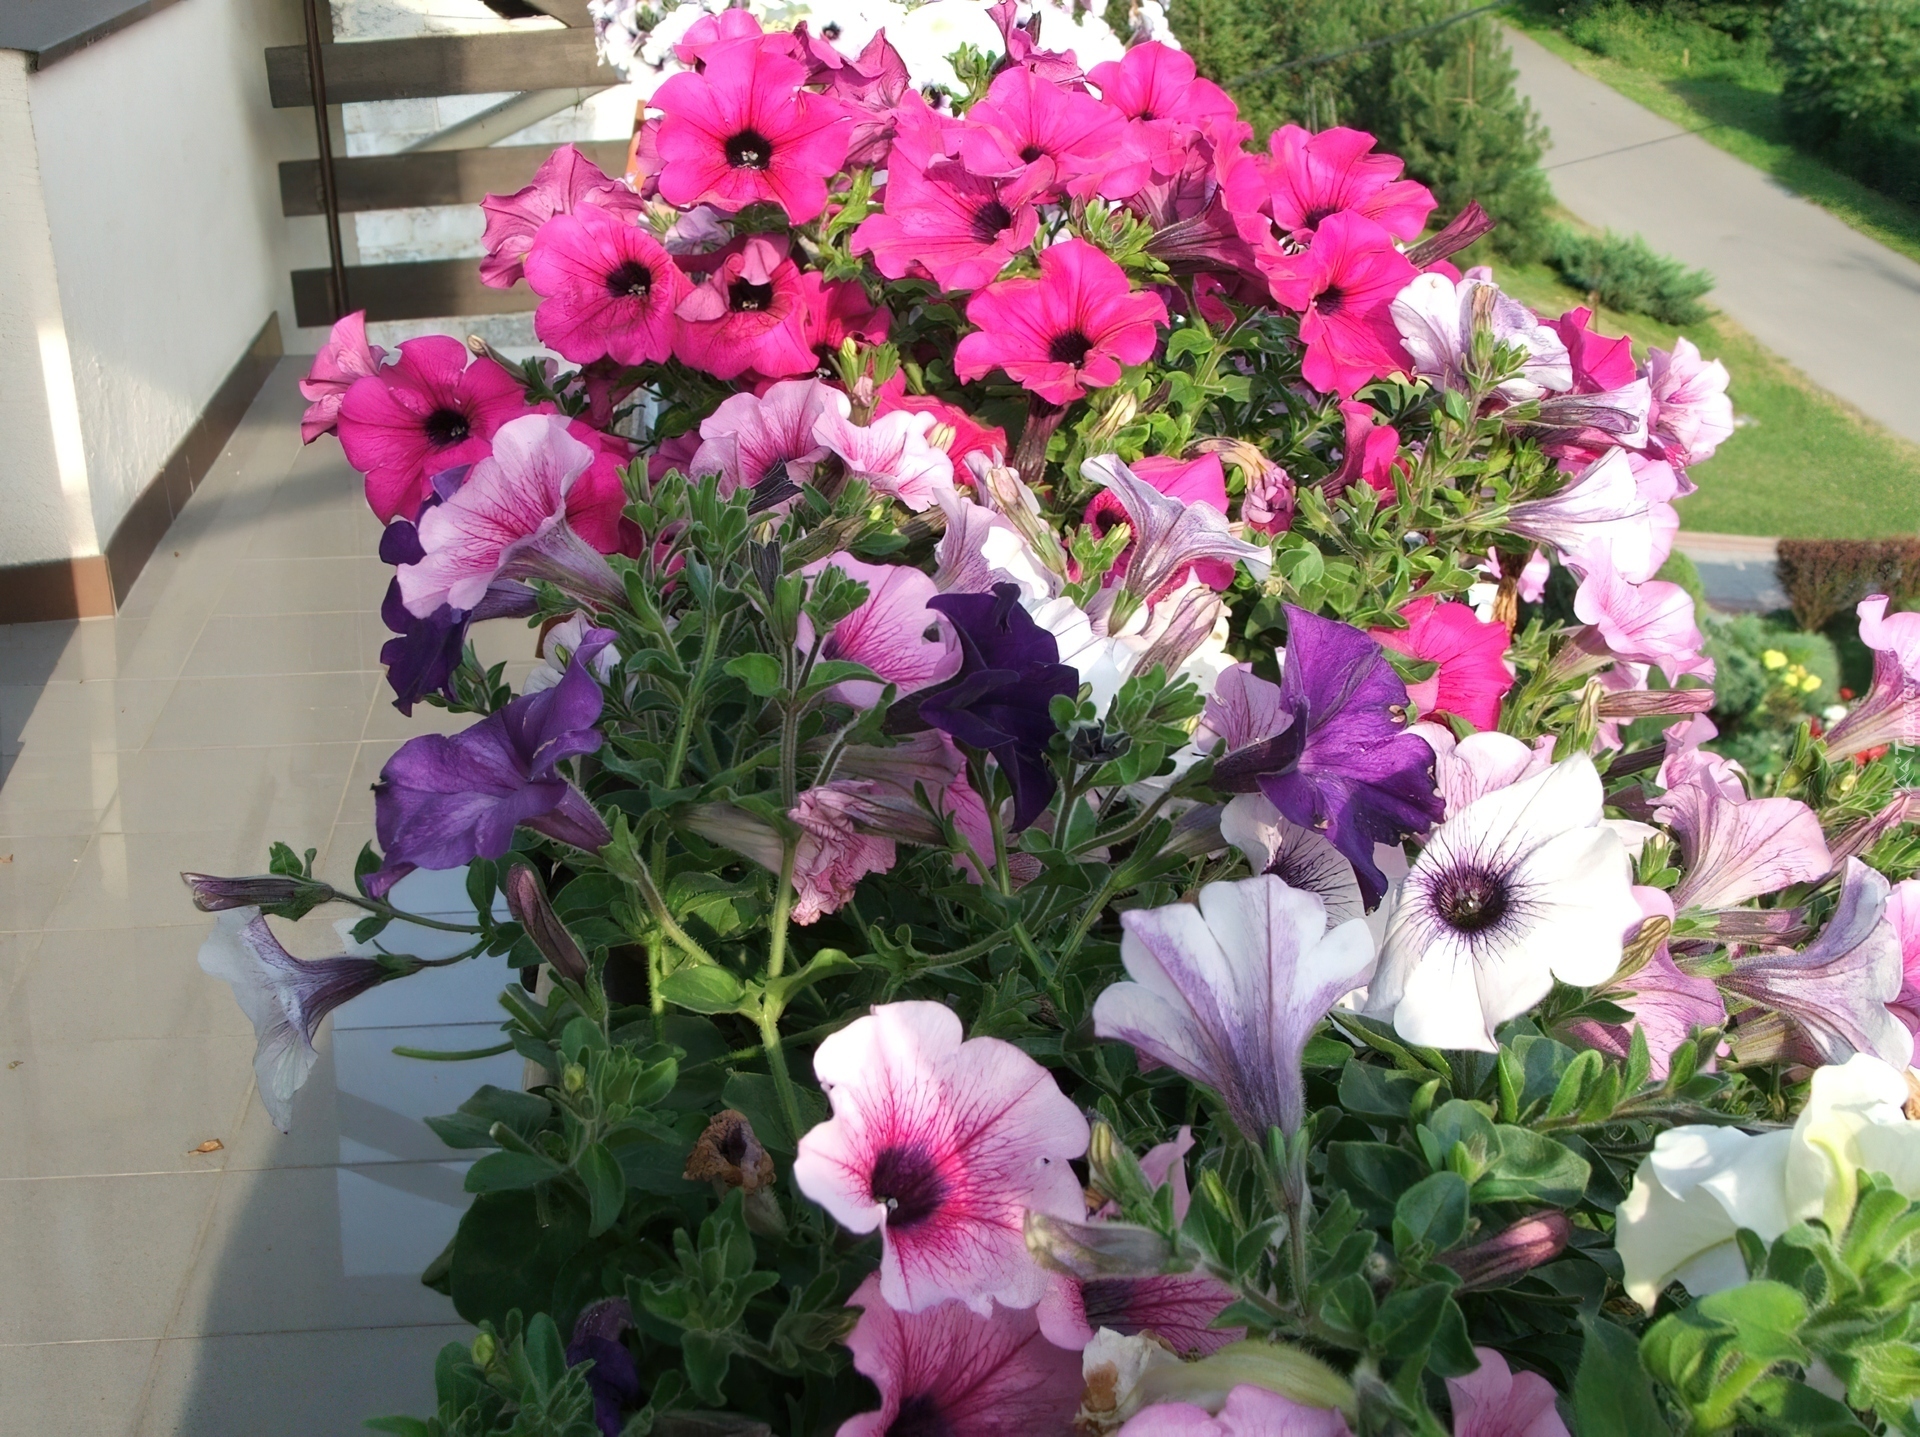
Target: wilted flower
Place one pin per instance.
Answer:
(1229, 990)
(943, 1146)
(285, 998)
(834, 853)
(1517, 889)
(265, 890)
(614, 1378)
(729, 1155)
(344, 358)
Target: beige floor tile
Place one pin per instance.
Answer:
(35, 873)
(293, 791)
(101, 985)
(352, 833)
(97, 715)
(50, 794)
(385, 723)
(289, 709)
(236, 646)
(30, 653)
(137, 1105)
(76, 1389)
(311, 1384)
(307, 586)
(299, 1249)
(132, 880)
(292, 529)
(96, 1258)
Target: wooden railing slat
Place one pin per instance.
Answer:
(422, 289)
(429, 65)
(427, 177)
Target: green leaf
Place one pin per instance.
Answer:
(507, 1171)
(1408, 1320)
(704, 1357)
(1793, 1409)
(1531, 1167)
(704, 988)
(1193, 340)
(1612, 1395)
(1373, 1175)
(1372, 1091)
(1432, 1213)
(759, 672)
(471, 1126)
(824, 964)
(606, 1187)
(509, 1250)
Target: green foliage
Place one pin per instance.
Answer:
(1769, 677)
(1825, 577)
(1852, 90)
(512, 1380)
(1625, 273)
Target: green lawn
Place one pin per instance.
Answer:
(1802, 464)
(1725, 89)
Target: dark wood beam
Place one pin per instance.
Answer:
(567, 12)
(428, 65)
(422, 289)
(427, 177)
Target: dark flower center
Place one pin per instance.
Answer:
(908, 1182)
(733, 1145)
(1069, 348)
(920, 1416)
(447, 427)
(1470, 900)
(1032, 153)
(830, 30)
(1311, 219)
(746, 297)
(633, 280)
(989, 220)
(749, 150)
(1329, 300)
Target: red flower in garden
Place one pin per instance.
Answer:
(1305, 178)
(1342, 284)
(1471, 674)
(1064, 333)
(742, 130)
(1029, 125)
(430, 412)
(750, 313)
(609, 289)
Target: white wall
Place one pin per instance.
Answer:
(157, 156)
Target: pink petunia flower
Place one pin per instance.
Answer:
(1732, 847)
(1665, 1003)
(891, 455)
(749, 313)
(742, 130)
(1066, 332)
(1650, 623)
(1472, 675)
(1171, 537)
(566, 182)
(942, 220)
(609, 289)
(893, 632)
(959, 1373)
(942, 1145)
(1600, 362)
(833, 853)
(1306, 178)
(1160, 91)
(1482, 763)
(1600, 514)
(1890, 710)
(1496, 1401)
(1691, 415)
(731, 24)
(1369, 453)
(429, 412)
(955, 433)
(1029, 126)
(345, 358)
(1903, 912)
(1248, 1411)
(1343, 285)
(837, 310)
(764, 440)
(1192, 481)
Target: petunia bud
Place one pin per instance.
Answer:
(527, 901)
(1091, 1251)
(1272, 1365)
(263, 890)
(1520, 1248)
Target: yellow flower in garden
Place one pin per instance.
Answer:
(1809, 683)
(1774, 659)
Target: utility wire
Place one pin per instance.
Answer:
(1383, 41)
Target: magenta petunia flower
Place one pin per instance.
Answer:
(1691, 415)
(608, 289)
(943, 1146)
(1665, 1003)
(893, 632)
(1496, 1401)
(1062, 138)
(566, 182)
(509, 521)
(1343, 284)
(345, 358)
(891, 455)
(838, 310)
(1192, 481)
(1472, 674)
(1600, 361)
(749, 313)
(1160, 91)
(942, 220)
(1172, 536)
(955, 432)
(429, 412)
(1064, 333)
(1305, 179)
(1732, 847)
(766, 441)
(741, 130)
(958, 1373)
(1369, 454)
(1890, 710)
(1903, 913)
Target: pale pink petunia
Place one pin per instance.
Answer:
(1889, 712)
(345, 357)
(1438, 317)
(1599, 510)
(958, 1373)
(1664, 1003)
(942, 1146)
(893, 632)
(749, 314)
(890, 454)
(1903, 913)
(833, 853)
(1691, 415)
(1343, 286)
(1192, 481)
(509, 520)
(1482, 763)
(1496, 1401)
(566, 183)
(1733, 848)
(608, 289)
(1470, 676)
(1248, 1412)
(1306, 178)
(1066, 332)
(1171, 537)
(1177, 1309)
(761, 441)
(1650, 623)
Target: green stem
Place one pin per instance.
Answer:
(1091, 916)
(387, 910)
(657, 906)
(770, 1041)
(709, 644)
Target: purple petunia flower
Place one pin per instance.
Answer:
(614, 1379)
(1344, 763)
(999, 701)
(422, 659)
(443, 801)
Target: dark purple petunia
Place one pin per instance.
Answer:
(998, 702)
(422, 659)
(1343, 762)
(443, 801)
(613, 1379)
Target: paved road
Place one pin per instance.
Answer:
(1843, 309)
